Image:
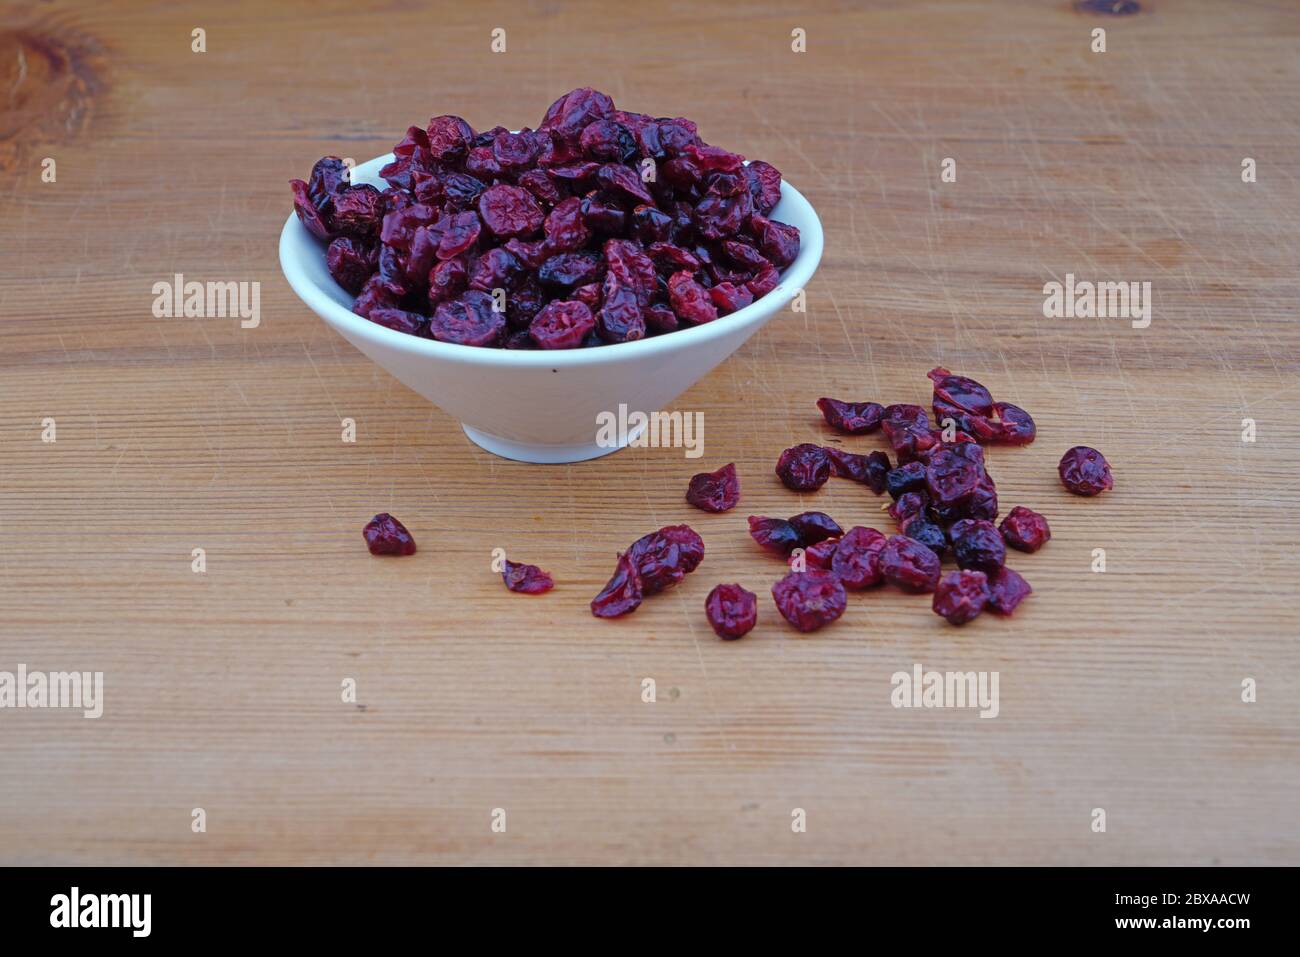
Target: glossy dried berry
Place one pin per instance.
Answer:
(927, 533)
(819, 555)
(1007, 589)
(774, 534)
(622, 593)
(907, 429)
(510, 211)
(385, 535)
(870, 469)
(732, 611)
(665, 557)
(909, 564)
(810, 600)
(960, 596)
(1025, 530)
(1085, 471)
(951, 477)
(714, 491)
(1015, 426)
(469, 320)
(906, 478)
(813, 527)
(852, 418)
(804, 468)
(857, 558)
(959, 391)
(561, 325)
(526, 579)
(977, 544)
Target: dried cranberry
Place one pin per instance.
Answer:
(904, 479)
(509, 211)
(951, 477)
(870, 469)
(622, 593)
(813, 527)
(774, 534)
(567, 270)
(385, 535)
(714, 491)
(908, 506)
(1025, 529)
(853, 418)
(927, 533)
(620, 318)
(689, 299)
(804, 468)
(957, 390)
(411, 323)
(1085, 471)
(909, 564)
(664, 557)
(307, 212)
(526, 579)
(449, 138)
(857, 558)
(730, 298)
(358, 211)
(470, 320)
(907, 428)
(977, 544)
(351, 261)
(778, 242)
(1015, 426)
(764, 181)
(1007, 589)
(960, 596)
(809, 600)
(819, 555)
(561, 325)
(732, 611)
(571, 113)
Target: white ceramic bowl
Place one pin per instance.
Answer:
(543, 405)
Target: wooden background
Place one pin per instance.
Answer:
(1119, 690)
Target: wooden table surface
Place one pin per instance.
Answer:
(1119, 690)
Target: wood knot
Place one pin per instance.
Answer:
(49, 83)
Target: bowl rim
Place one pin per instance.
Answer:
(294, 235)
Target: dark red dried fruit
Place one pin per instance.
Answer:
(689, 299)
(857, 558)
(977, 544)
(960, 596)
(1007, 590)
(1015, 426)
(906, 478)
(909, 564)
(358, 211)
(1025, 529)
(774, 534)
(385, 535)
(809, 600)
(732, 611)
(510, 211)
(622, 593)
(526, 579)
(817, 556)
(908, 506)
(927, 533)
(1085, 471)
(714, 491)
(870, 469)
(951, 477)
(853, 418)
(804, 468)
(665, 557)
(411, 323)
(351, 262)
(813, 527)
(470, 320)
(561, 325)
(907, 428)
(961, 392)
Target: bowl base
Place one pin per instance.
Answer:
(542, 454)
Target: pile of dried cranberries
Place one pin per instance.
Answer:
(600, 226)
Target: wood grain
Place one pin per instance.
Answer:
(1119, 690)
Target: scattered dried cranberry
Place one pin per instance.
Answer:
(927, 533)
(909, 506)
(819, 555)
(714, 491)
(870, 469)
(960, 596)
(909, 564)
(1007, 590)
(621, 594)
(907, 428)
(951, 477)
(904, 479)
(665, 557)
(732, 611)
(1025, 529)
(1015, 426)
(526, 579)
(804, 468)
(633, 216)
(809, 600)
(1085, 471)
(813, 527)
(857, 558)
(854, 418)
(385, 535)
(774, 534)
(961, 392)
(977, 544)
